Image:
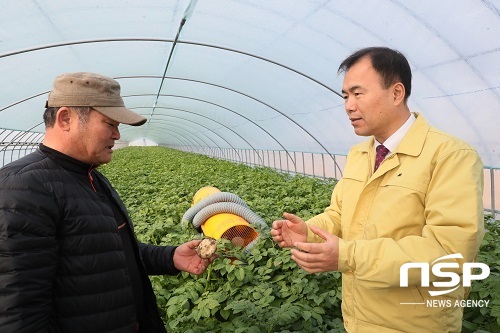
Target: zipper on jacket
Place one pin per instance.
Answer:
(91, 179)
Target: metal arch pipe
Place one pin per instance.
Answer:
(29, 141)
(248, 96)
(166, 40)
(184, 130)
(163, 40)
(32, 138)
(181, 146)
(23, 100)
(220, 148)
(180, 142)
(264, 59)
(174, 43)
(2, 131)
(189, 143)
(20, 135)
(175, 131)
(242, 116)
(276, 110)
(230, 110)
(279, 143)
(190, 140)
(23, 132)
(200, 115)
(187, 43)
(166, 115)
(189, 132)
(45, 92)
(186, 142)
(186, 139)
(196, 140)
(259, 101)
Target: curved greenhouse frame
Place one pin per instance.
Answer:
(253, 81)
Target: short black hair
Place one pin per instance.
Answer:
(391, 64)
(49, 115)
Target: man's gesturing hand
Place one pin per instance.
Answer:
(289, 231)
(317, 257)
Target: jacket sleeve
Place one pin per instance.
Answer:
(158, 260)
(28, 252)
(454, 224)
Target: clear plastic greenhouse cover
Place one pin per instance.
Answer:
(253, 74)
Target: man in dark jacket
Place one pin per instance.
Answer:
(70, 261)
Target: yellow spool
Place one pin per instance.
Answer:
(218, 224)
(231, 227)
(225, 225)
(204, 192)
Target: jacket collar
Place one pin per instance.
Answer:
(412, 142)
(65, 161)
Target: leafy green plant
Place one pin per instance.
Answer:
(486, 319)
(260, 291)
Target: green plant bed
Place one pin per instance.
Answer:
(486, 319)
(264, 290)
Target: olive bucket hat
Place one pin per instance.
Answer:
(94, 90)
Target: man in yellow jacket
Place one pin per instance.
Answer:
(420, 202)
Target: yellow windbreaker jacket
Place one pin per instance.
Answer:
(423, 202)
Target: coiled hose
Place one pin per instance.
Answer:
(222, 202)
(211, 199)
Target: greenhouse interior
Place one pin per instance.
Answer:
(254, 83)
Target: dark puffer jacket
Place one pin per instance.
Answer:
(62, 263)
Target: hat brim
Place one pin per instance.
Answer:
(121, 114)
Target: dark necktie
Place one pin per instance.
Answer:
(381, 152)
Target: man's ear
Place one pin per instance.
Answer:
(399, 93)
(63, 118)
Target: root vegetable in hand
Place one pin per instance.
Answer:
(206, 248)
